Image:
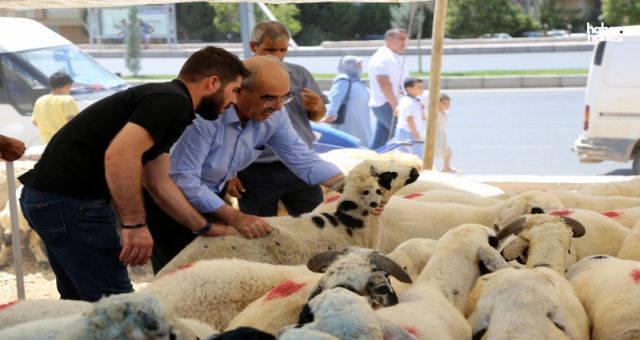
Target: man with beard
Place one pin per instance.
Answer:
(108, 152)
(209, 153)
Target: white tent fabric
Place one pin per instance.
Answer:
(33, 4)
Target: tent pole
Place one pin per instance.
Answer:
(15, 229)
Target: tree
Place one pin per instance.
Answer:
(368, 13)
(326, 21)
(556, 15)
(422, 21)
(471, 18)
(621, 12)
(195, 21)
(133, 40)
(226, 17)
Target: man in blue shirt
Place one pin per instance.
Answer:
(209, 153)
(267, 180)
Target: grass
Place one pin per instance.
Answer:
(484, 73)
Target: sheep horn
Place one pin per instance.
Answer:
(511, 228)
(387, 265)
(577, 227)
(319, 262)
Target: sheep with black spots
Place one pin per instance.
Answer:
(295, 239)
(432, 307)
(609, 289)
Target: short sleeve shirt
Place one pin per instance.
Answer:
(385, 62)
(410, 107)
(73, 161)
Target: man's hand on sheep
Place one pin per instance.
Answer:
(221, 230)
(137, 246)
(251, 226)
(235, 187)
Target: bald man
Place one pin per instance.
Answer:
(209, 153)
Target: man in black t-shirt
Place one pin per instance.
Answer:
(108, 152)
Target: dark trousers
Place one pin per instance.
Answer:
(385, 125)
(266, 183)
(82, 243)
(169, 236)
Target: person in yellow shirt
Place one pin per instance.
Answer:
(55, 109)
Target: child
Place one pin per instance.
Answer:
(411, 120)
(55, 109)
(442, 148)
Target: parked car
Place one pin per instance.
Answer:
(532, 34)
(611, 126)
(495, 36)
(26, 62)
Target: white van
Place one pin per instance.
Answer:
(29, 53)
(611, 128)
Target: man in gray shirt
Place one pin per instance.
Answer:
(260, 186)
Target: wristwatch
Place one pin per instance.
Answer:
(204, 229)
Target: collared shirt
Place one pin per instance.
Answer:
(209, 153)
(299, 78)
(385, 62)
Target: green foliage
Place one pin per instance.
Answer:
(326, 21)
(227, 18)
(372, 19)
(621, 12)
(471, 18)
(555, 15)
(195, 21)
(401, 15)
(133, 40)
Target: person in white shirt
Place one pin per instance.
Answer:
(387, 73)
(411, 117)
(442, 148)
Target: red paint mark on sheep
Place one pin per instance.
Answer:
(635, 275)
(332, 199)
(411, 330)
(180, 268)
(7, 305)
(414, 195)
(286, 288)
(611, 214)
(561, 212)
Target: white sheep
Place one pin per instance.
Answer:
(432, 307)
(19, 167)
(608, 288)
(270, 314)
(295, 239)
(33, 240)
(127, 316)
(526, 304)
(629, 188)
(627, 217)
(405, 219)
(572, 199)
(630, 249)
(22, 311)
(346, 159)
(434, 180)
(452, 196)
(346, 316)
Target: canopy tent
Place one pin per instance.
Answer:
(434, 84)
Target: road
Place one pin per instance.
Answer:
(451, 63)
(520, 132)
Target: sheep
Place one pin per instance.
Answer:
(432, 307)
(433, 180)
(295, 239)
(627, 217)
(608, 288)
(347, 159)
(629, 188)
(269, 314)
(545, 238)
(34, 241)
(596, 203)
(19, 167)
(346, 316)
(452, 196)
(404, 219)
(130, 316)
(362, 271)
(630, 249)
(22, 311)
(530, 303)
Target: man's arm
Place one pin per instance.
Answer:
(387, 90)
(123, 171)
(313, 104)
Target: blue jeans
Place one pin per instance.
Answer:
(384, 117)
(81, 241)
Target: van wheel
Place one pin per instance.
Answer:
(636, 163)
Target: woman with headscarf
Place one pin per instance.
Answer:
(349, 89)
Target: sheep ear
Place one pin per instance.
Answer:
(491, 259)
(395, 332)
(338, 187)
(560, 322)
(387, 265)
(320, 262)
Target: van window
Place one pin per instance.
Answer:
(619, 56)
(87, 75)
(21, 88)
